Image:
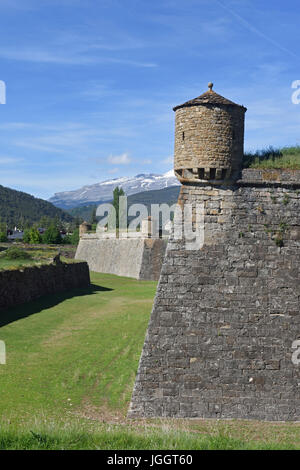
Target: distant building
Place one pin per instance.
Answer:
(15, 235)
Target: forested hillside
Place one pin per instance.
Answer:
(18, 209)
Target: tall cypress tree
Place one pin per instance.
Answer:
(116, 195)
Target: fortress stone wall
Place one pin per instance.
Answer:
(140, 258)
(219, 343)
(18, 286)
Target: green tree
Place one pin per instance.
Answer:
(3, 237)
(3, 227)
(52, 236)
(20, 223)
(66, 240)
(45, 222)
(116, 195)
(75, 237)
(77, 221)
(32, 236)
(94, 218)
(35, 236)
(26, 235)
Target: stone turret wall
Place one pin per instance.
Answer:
(211, 138)
(225, 317)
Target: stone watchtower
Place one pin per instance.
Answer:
(209, 139)
(225, 326)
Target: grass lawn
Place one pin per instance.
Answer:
(71, 364)
(283, 158)
(38, 254)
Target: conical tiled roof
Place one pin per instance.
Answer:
(209, 97)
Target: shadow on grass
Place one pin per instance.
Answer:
(43, 303)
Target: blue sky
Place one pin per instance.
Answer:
(91, 83)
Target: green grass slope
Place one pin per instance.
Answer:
(270, 158)
(71, 365)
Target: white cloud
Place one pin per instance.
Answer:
(123, 159)
(35, 146)
(71, 55)
(9, 160)
(75, 137)
(82, 48)
(14, 125)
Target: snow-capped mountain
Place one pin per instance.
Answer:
(103, 191)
